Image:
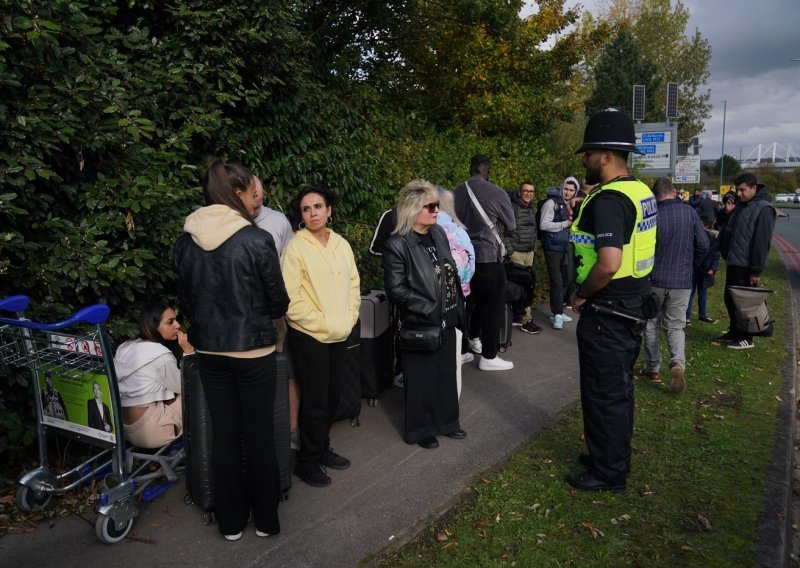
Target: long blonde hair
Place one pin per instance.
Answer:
(447, 203)
(410, 201)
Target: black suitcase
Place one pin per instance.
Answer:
(376, 344)
(198, 435)
(506, 323)
(350, 393)
(197, 438)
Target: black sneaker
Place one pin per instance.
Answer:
(741, 344)
(518, 321)
(530, 327)
(313, 474)
(706, 319)
(727, 337)
(333, 460)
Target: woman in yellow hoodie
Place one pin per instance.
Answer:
(323, 286)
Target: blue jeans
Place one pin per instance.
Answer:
(702, 302)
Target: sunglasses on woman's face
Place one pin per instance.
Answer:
(431, 207)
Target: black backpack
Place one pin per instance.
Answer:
(539, 204)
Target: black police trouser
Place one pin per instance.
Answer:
(607, 348)
(735, 276)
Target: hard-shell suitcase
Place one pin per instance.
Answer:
(506, 324)
(376, 344)
(198, 435)
(350, 393)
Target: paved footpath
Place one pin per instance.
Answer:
(389, 493)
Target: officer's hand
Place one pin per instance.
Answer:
(577, 303)
(710, 273)
(755, 280)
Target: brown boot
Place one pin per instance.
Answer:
(653, 376)
(678, 382)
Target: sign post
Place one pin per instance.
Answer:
(659, 143)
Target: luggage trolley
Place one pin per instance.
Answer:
(75, 388)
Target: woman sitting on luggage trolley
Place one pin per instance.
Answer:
(149, 379)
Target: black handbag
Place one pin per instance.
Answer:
(421, 337)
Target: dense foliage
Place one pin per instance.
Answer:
(110, 110)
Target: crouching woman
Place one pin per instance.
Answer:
(420, 277)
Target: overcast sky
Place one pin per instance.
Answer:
(752, 46)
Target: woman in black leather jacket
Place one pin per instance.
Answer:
(420, 277)
(230, 286)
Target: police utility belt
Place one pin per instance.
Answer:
(609, 308)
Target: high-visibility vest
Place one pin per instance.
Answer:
(637, 255)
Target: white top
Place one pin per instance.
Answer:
(146, 372)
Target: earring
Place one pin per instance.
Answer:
(330, 221)
(301, 225)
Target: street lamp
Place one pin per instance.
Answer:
(722, 155)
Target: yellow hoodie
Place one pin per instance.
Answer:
(323, 286)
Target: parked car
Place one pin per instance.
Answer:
(784, 198)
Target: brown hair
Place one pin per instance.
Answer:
(221, 182)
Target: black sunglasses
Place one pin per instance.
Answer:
(431, 207)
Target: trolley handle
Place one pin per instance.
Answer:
(14, 303)
(94, 315)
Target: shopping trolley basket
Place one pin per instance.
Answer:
(76, 395)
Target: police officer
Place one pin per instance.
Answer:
(614, 236)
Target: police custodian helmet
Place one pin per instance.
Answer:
(609, 129)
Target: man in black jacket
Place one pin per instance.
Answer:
(744, 244)
(521, 246)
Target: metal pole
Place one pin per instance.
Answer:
(722, 155)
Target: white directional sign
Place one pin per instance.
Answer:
(687, 170)
(658, 143)
(656, 148)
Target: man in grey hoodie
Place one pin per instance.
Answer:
(555, 218)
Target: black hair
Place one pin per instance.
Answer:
(477, 161)
(293, 211)
(746, 178)
(149, 320)
(526, 182)
(221, 182)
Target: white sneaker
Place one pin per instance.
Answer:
(564, 318)
(475, 345)
(496, 364)
(467, 357)
(236, 536)
(558, 321)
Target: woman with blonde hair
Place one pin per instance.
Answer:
(420, 276)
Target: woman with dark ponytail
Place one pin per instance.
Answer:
(230, 286)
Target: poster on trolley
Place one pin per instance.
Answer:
(76, 402)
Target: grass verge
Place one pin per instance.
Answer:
(700, 463)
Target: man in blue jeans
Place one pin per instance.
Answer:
(487, 300)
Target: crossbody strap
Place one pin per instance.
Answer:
(492, 227)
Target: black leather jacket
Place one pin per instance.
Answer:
(232, 293)
(410, 281)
